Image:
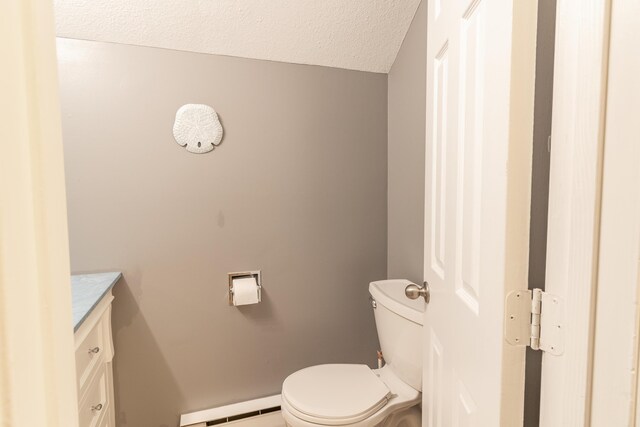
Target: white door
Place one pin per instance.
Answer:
(480, 95)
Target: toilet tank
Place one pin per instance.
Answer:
(399, 324)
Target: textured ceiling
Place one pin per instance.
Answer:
(354, 34)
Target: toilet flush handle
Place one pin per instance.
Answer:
(414, 291)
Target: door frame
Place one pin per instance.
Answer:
(576, 256)
(579, 94)
(615, 348)
(37, 368)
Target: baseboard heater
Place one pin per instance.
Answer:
(238, 414)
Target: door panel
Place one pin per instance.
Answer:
(466, 408)
(469, 165)
(435, 374)
(480, 93)
(438, 163)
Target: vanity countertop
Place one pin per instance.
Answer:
(87, 290)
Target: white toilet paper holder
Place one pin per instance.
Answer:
(257, 274)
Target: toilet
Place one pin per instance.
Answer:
(355, 395)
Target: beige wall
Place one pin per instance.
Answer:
(298, 188)
(407, 103)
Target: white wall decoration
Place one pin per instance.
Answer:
(197, 128)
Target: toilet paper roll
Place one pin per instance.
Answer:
(245, 290)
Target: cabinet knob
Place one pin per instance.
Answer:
(98, 407)
(94, 350)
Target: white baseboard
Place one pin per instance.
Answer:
(271, 419)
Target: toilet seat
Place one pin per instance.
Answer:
(334, 395)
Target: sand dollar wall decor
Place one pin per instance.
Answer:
(197, 128)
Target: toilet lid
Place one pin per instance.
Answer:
(335, 394)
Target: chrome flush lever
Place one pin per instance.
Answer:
(414, 291)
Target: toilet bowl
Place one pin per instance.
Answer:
(355, 395)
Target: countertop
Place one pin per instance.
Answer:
(87, 290)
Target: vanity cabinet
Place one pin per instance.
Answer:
(94, 372)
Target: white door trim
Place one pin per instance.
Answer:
(615, 357)
(37, 369)
(582, 34)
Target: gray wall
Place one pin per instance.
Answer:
(298, 189)
(540, 189)
(407, 104)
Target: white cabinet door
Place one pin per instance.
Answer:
(480, 95)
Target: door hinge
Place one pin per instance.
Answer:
(534, 318)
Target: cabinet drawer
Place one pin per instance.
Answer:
(89, 354)
(95, 404)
